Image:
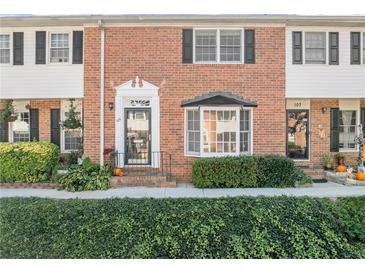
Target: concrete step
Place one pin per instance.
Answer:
(142, 180)
(314, 172)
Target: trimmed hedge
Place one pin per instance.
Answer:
(27, 161)
(244, 227)
(244, 171)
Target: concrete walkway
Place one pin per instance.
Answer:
(330, 190)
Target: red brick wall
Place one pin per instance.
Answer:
(91, 131)
(154, 53)
(44, 107)
(320, 146)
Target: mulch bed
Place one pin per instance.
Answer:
(30, 185)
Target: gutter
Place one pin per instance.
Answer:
(101, 145)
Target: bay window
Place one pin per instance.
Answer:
(214, 131)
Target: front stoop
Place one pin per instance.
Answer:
(342, 178)
(142, 180)
(316, 172)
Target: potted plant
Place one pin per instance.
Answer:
(328, 161)
(8, 114)
(73, 120)
(340, 158)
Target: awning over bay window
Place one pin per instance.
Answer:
(218, 98)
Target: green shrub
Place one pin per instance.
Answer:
(351, 215)
(27, 161)
(301, 178)
(244, 171)
(243, 227)
(72, 158)
(87, 176)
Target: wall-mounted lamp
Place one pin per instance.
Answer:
(111, 105)
(324, 109)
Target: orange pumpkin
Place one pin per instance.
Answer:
(118, 172)
(341, 168)
(360, 176)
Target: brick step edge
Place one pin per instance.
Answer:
(30, 185)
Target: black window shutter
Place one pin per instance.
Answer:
(355, 48)
(18, 48)
(3, 131)
(187, 46)
(249, 46)
(77, 48)
(297, 47)
(40, 47)
(333, 48)
(362, 116)
(335, 133)
(34, 124)
(55, 126)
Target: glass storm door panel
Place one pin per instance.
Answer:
(138, 136)
(298, 134)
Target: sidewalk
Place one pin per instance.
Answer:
(329, 190)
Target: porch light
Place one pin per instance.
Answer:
(324, 109)
(111, 105)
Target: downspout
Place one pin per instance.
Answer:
(101, 148)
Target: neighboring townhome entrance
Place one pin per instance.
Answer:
(298, 134)
(137, 124)
(138, 136)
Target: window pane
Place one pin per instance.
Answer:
(205, 45)
(220, 132)
(73, 139)
(347, 129)
(21, 128)
(59, 51)
(244, 131)
(315, 47)
(4, 41)
(230, 45)
(4, 56)
(193, 131)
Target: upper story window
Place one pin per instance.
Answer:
(218, 45)
(230, 45)
(59, 47)
(315, 47)
(4, 49)
(205, 45)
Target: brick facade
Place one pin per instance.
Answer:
(154, 53)
(320, 146)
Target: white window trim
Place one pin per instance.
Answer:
(203, 154)
(11, 130)
(11, 49)
(356, 148)
(326, 48)
(217, 57)
(70, 49)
